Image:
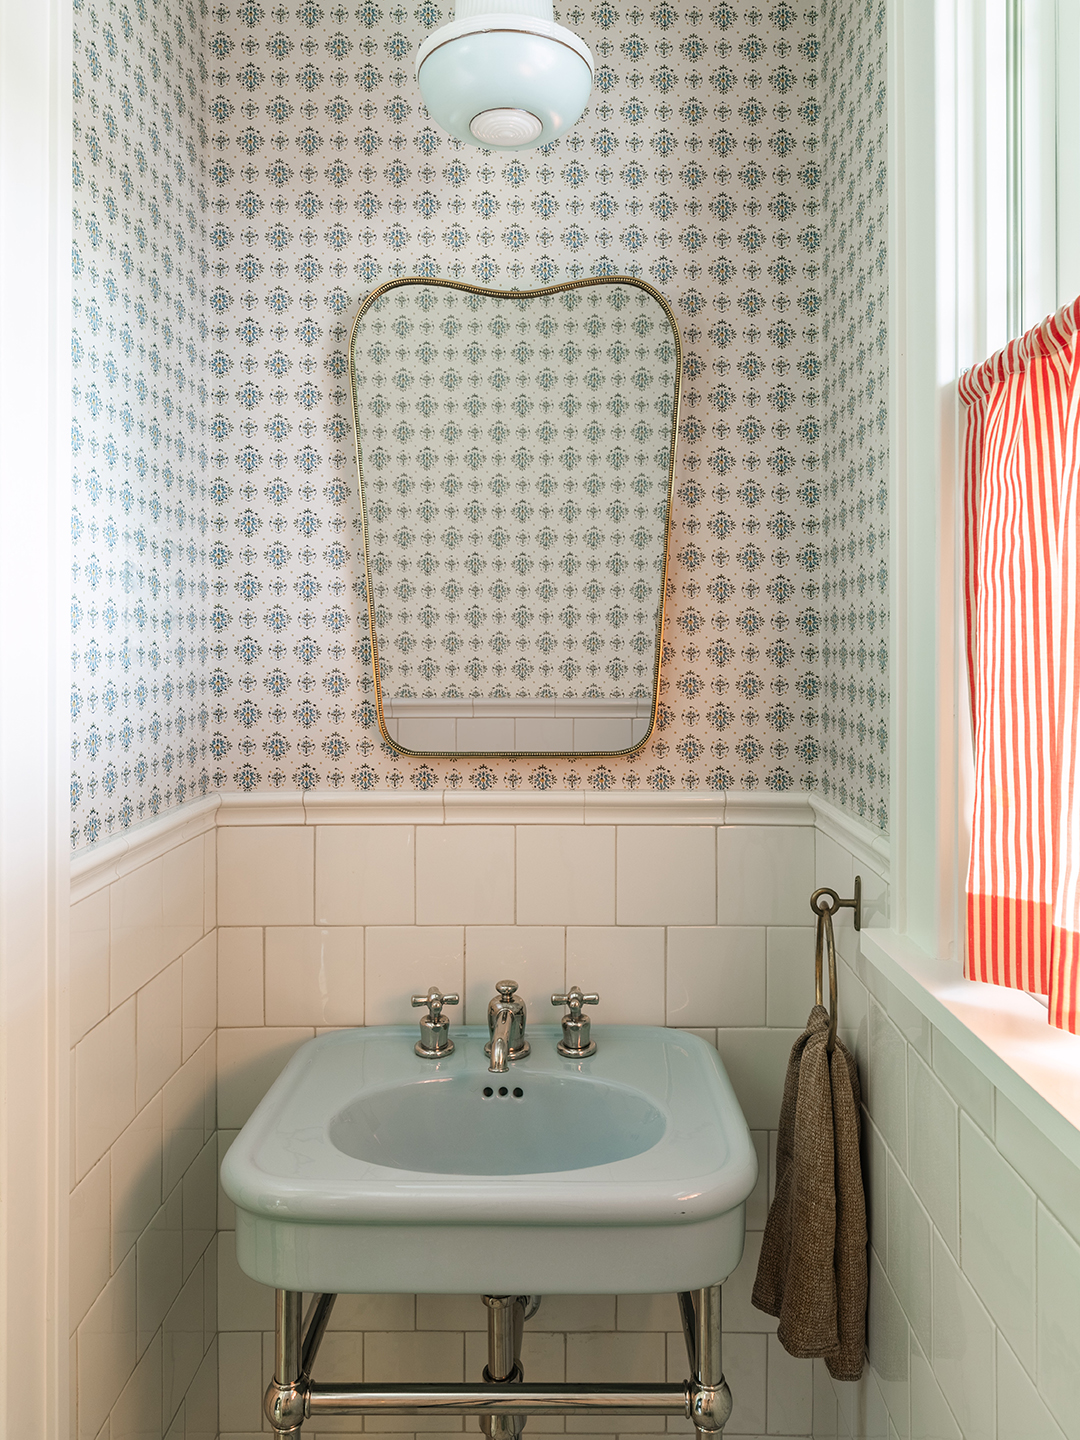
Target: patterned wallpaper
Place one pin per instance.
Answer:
(703, 164)
(517, 467)
(851, 601)
(139, 516)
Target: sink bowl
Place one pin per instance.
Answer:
(367, 1169)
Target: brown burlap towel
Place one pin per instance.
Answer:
(812, 1270)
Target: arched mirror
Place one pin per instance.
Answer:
(516, 451)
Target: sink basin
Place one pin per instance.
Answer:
(368, 1169)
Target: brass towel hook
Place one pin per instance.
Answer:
(824, 903)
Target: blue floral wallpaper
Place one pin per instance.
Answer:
(851, 601)
(139, 518)
(731, 155)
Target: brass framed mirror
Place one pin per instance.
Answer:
(515, 456)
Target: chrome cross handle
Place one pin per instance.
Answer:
(576, 1043)
(434, 1026)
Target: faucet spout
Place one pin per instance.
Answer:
(500, 1044)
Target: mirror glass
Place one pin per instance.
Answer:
(516, 452)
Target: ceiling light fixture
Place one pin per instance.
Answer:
(502, 74)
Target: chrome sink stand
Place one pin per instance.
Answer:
(502, 1404)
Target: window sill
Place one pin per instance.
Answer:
(1002, 1032)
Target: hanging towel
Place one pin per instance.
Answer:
(812, 1270)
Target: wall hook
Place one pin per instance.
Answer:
(855, 903)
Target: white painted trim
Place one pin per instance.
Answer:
(1004, 1033)
(35, 475)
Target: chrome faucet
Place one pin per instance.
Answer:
(506, 1024)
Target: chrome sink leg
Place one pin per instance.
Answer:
(286, 1395)
(506, 1317)
(710, 1399)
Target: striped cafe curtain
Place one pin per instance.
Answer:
(1022, 550)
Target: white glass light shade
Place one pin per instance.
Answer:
(534, 74)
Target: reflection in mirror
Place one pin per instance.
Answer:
(516, 453)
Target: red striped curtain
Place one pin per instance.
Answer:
(1022, 548)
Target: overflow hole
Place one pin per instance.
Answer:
(502, 1090)
(518, 1092)
(488, 1092)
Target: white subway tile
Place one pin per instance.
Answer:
(243, 1304)
(159, 1266)
(465, 875)
(201, 1404)
(909, 1020)
(739, 1311)
(209, 880)
(765, 874)
(933, 1149)
(199, 1191)
(1058, 1323)
(887, 1089)
(757, 1204)
(402, 961)
(137, 1413)
(834, 865)
(826, 1423)
(89, 964)
(158, 1031)
(209, 1272)
(789, 953)
(374, 1312)
(889, 1345)
(395, 1359)
(266, 875)
(365, 875)
(182, 1343)
(617, 1357)
(137, 948)
(566, 875)
(746, 1371)
(574, 1313)
(1053, 1177)
(1021, 1414)
(183, 1102)
(756, 1063)
(200, 994)
(88, 1211)
(997, 1238)
(876, 1187)
(226, 1213)
(249, 1061)
(314, 975)
(240, 1381)
(450, 1312)
(965, 1084)
(790, 1393)
(106, 1350)
(625, 966)
(666, 874)
(136, 1178)
(104, 1085)
(963, 1353)
(240, 976)
(931, 1418)
(533, 955)
(909, 1252)
(341, 1359)
(716, 975)
(183, 880)
(647, 1312)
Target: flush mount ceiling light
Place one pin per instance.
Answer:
(502, 74)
